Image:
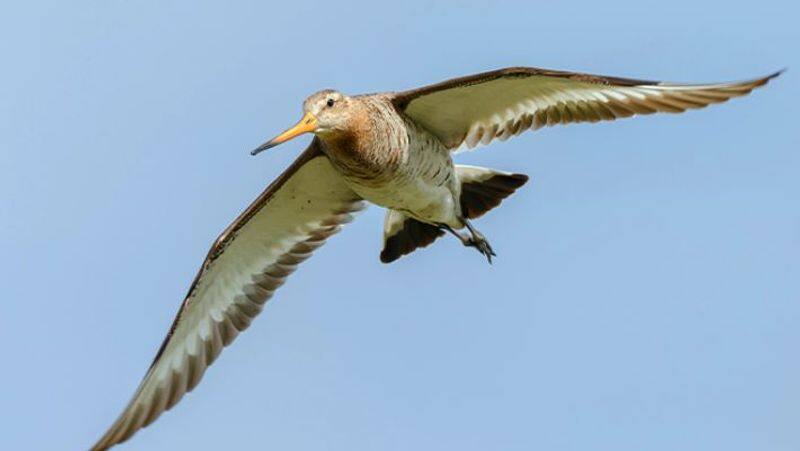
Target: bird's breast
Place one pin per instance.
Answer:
(397, 165)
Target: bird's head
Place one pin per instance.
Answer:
(325, 112)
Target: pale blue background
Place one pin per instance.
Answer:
(646, 295)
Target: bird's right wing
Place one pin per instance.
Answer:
(308, 203)
(476, 109)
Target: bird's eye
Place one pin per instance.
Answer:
(330, 102)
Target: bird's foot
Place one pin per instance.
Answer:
(475, 239)
(479, 242)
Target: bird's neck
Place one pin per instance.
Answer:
(369, 142)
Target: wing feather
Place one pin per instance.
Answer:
(477, 109)
(308, 203)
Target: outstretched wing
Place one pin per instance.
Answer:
(308, 203)
(476, 109)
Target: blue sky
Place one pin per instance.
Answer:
(645, 294)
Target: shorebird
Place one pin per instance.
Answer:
(390, 149)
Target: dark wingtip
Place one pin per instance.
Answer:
(768, 78)
(513, 181)
(522, 178)
(772, 76)
(386, 258)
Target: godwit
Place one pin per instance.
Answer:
(393, 150)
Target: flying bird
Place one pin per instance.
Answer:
(391, 149)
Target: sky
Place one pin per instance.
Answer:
(646, 292)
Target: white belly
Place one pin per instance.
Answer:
(415, 196)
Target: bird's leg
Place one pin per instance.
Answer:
(476, 240)
(465, 240)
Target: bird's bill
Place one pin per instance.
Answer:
(307, 124)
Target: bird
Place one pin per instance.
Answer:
(394, 150)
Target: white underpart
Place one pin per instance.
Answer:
(231, 288)
(471, 115)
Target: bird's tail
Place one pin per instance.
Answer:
(482, 189)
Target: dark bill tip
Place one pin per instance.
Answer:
(263, 147)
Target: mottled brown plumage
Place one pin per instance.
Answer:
(393, 150)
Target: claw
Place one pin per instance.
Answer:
(482, 246)
(475, 239)
(478, 241)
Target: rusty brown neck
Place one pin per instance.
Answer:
(373, 140)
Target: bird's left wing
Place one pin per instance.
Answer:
(308, 203)
(478, 108)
